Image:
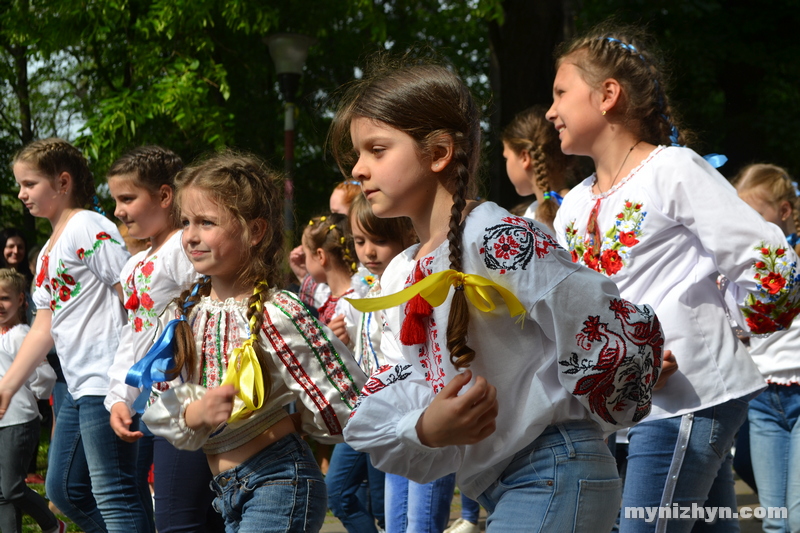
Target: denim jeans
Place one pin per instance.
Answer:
(280, 489)
(183, 495)
(348, 470)
(415, 508)
(470, 509)
(705, 477)
(564, 481)
(775, 436)
(18, 443)
(91, 477)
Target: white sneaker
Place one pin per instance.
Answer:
(463, 526)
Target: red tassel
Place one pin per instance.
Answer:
(133, 302)
(418, 309)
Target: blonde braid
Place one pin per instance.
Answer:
(255, 318)
(185, 349)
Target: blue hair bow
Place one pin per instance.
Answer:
(553, 195)
(153, 367)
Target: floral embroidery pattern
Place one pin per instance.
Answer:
(775, 305)
(137, 296)
(320, 345)
(615, 377)
(41, 277)
(100, 238)
(612, 253)
(63, 287)
(512, 245)
(382, 378)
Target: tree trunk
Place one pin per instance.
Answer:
(522, 72)
(20, 54)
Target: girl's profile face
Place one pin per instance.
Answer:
(575, 112)
(14, 252)
(37, 192)
(10, 302)
(373, 252)
(313, 264)
(518, 171)
(142, 212)
(395, 178)
(212, 238)
(773, 212)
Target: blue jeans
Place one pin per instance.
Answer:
(566, 480)
(705, 477)
(183, 496)
(279, 489)
(775, 436)
(348, 470)
(470, 509)
(91, 476)
(415, 508)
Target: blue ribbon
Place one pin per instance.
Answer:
(716, 160)
(554, 196)
(159, 360)
(793, 239)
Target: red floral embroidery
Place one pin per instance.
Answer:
(628, 238)
(773, 282)
(147, 269)
(137, 324)
(611, 262)
(760, 324)
(69, 280)
(81, 253)
(147, 302)
(506, 247)
(64, 293)
(513, 244)
(103, 236)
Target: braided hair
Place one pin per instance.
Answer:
(623, 53)
(52, 157)
(249, 191)
(150, 167)
(530, 131)
(332, 234)
(432, 105)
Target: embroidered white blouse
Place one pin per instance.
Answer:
(306, 363)
(76, 282)
(149, 283)
(367, 332)
(663, 233)
(583, 354)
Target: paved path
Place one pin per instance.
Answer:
(745, 497)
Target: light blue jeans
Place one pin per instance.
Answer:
(775, 440)
(705, 477)
(415, 508)
(91, 476)
(348, 470)
(278, 490)
(564, 481)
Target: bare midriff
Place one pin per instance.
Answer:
(230, 459)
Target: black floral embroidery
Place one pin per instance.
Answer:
(382, 378)
(512, 245)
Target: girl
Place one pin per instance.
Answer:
(560, 382)
(142, 184)
(330, 259)
(774, 415)
(535, 163)
(15, 252)
(661, 222)
(376, 242)
(91, 475)
(242, 350)
(19, 428)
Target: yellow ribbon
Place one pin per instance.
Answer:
(244, 371)
(435, 288)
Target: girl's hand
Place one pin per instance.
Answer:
(297, 262)
(339, 329)
(5, 400)
(456, 420)
(668, 367)
(120, 422)
(214, 408)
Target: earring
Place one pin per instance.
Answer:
(603, 113)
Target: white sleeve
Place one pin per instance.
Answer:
(749, 251)
(104, 251)
(384, 424)
(166, 417)
(124, 359)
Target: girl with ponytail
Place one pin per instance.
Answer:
(92, 474)
(470, 390)
(234, 350)
(659, 221)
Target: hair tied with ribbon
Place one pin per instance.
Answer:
(553, 195)
(155, 366)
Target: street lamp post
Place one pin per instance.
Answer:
(289, 52)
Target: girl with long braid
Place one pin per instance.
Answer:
(535, 163)
(475, 392)
(661, 222)
(237, 350)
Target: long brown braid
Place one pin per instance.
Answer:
(432, 105)
(625, 54)
(250, 192)
(332, 234)
(53, 156)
